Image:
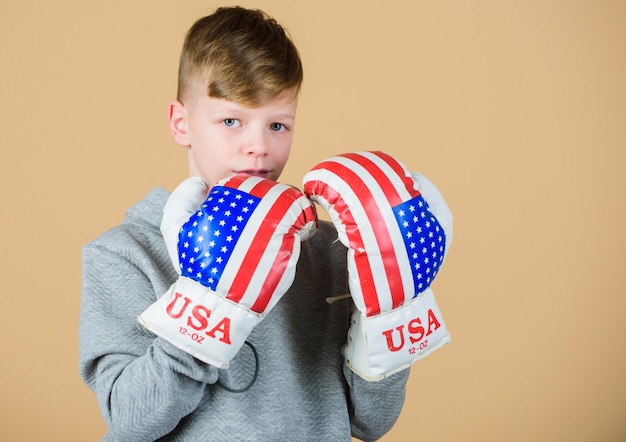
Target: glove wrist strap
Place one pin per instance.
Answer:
(382, 345)
(200, 322)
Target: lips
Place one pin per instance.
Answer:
(263, 173)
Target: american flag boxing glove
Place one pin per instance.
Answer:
(397, 229)
(236, 256)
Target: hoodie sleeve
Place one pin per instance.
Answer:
(375, 406)
(144, 385)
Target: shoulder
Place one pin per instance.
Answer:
(140, 229)
(130, 257)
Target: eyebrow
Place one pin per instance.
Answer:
(235, 108)
(290, 116)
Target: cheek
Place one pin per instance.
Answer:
(203, 148)
(285, 149)
(214, 165)
(282, 161)
(284, 153)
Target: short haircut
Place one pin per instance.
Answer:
(241, 55)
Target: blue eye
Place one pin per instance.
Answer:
(229, 122)
(277, 126)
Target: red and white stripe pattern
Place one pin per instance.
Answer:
(360, 191)
(237, 256)
(243, 243)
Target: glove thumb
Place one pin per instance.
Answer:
(184, 201)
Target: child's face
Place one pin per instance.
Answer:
(225, 138)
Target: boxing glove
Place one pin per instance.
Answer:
(236, 256)
(397, 229)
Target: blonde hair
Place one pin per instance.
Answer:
(241, 55)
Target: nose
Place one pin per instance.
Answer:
(257, 144)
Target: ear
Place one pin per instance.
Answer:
(177, 114)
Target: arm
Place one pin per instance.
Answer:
(375, 406)
(144, 385)
(237, 256)
(395, 247)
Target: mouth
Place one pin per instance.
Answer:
(263, 173)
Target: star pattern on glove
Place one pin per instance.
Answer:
(424, 240)
(207, 239)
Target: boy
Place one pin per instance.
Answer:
(239, 79)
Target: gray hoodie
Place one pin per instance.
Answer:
(148, 390)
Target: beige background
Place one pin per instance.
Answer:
(516, 109)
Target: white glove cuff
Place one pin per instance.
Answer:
(183, 202)
(200, 322)
(382, 345)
